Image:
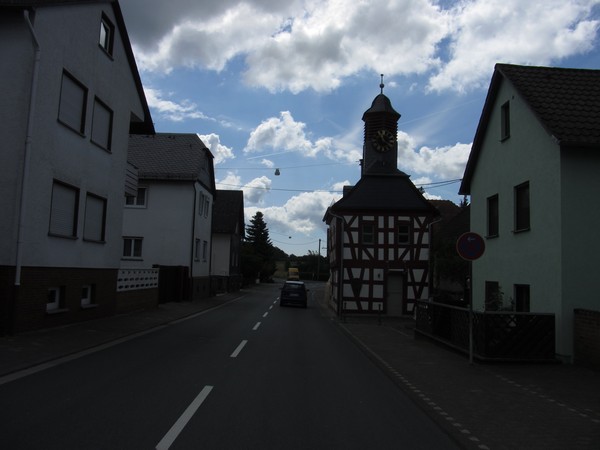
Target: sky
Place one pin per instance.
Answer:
(271, 84)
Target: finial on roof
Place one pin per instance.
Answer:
(382, 85)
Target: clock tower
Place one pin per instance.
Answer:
(380, 148)
(378, 240)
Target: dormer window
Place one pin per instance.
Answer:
(505, 121)
(107, 35)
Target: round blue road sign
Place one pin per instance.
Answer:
(470, 246)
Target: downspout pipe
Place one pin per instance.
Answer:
(27, 151)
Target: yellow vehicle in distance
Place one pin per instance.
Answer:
(293, 274)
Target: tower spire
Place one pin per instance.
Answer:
(381, 85)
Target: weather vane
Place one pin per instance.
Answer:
(382, 85)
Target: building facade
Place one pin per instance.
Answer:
(228, 230)
(167, 224)
(71, 95)
(379, 232)
(532, 177)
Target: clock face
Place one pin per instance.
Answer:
(383, 140)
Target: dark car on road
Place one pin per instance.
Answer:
(293, 293)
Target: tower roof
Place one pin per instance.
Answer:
(382, 104)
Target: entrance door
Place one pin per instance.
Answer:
(395, 293)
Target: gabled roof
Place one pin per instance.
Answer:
(228, 212)
(383, 193)
(145, 126)
(170, 156)
(566, 102)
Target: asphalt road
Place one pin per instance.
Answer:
(249, 375)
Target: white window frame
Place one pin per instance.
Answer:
(137, 201)
(129, 247)
(107, 35)
(87, 300)
(58, 295)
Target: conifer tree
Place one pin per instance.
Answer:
(258, 251)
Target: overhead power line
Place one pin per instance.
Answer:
(423, 185)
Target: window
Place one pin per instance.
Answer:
(493, 296)
(73, 102)
(102, 125)
(132, 247)
(368, 233)
(522, 207)
(107, 35)
(55, 300)
(505, 121)
(206, 206)
(201, 204)
(197, 250)
(64, 210)
(138, 200)
(403, 233)
(492, 216)
(522, 298)
(205, 251)
(95, 218)
(87, 295)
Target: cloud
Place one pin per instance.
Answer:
(219, 151)
(254, 191)
(283, 134)
(512, 31)
(444, 162)
(170, 110)
(302, 213)
(335, 39)
(316, 44)
(268, 163)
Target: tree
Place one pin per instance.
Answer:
(258, 251)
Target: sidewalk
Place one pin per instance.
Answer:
(28, 350)
(482, 406)
(487, 406)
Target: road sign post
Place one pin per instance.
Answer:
(470, 246)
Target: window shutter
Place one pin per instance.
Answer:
(101, 125)
(94, 218)
(72, 104)
(64, 210)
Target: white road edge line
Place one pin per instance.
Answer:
(256, 326)
(266, 314)
(178, 427)
(239, 349)
(65, 359)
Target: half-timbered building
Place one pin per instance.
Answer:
(378, 235)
